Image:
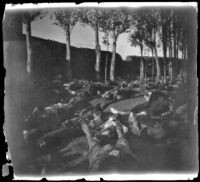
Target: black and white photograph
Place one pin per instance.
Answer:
(101, 90)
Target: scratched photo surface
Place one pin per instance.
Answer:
(101, 90)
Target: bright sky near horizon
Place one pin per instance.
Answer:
(82, 37)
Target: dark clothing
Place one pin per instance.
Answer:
(158, 104)
(98, 153)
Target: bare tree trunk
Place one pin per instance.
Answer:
(68, 54)
(28, 45)
(182, 55)
(170, 60)
(141, 65)
(174, 59)
(170, 66)
(164, 34)
(106, 66)
(164, 70)
(170, 72)
(182, 62)
(157, 66)
(112, 65)
(177, 45)
(174, 37)
(156, 57)
(174, 46)
(152, 71)
(145, 72)
(98, 52)
(184, 65)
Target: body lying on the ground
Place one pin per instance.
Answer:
(43, 120)
(158, 120)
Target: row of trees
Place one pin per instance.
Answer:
(153, 28)
(160, 28)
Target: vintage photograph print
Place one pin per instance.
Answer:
(106, 90)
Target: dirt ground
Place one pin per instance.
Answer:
(153, 156)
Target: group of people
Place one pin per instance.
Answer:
(108, 145)
(107, 137)
(158, 118)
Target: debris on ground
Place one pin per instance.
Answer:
(56, 122)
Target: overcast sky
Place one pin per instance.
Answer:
(81, 37)
(84, 36)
